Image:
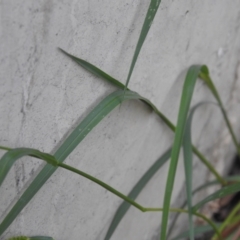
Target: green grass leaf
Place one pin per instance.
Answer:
(12, 155)
(9, 158)
(123, 208)
(215, 182)
(97, 72)
(94, 70)
(201, 187)
(80, 132)
(199, 230)
(187, 92)
(152, 10)
(187, 152)
(225, 191)
(187, 156)
(205, 76)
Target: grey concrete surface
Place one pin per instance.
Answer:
(43, 94)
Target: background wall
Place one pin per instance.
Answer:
(43, 94)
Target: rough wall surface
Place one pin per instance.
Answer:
(43, 95)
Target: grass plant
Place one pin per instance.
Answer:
(182, 138)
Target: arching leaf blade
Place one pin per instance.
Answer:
(187, 152)
(10, 157)
(189, 83)
(93, 69)
(116, 83)
(187, 156)
(78, 134)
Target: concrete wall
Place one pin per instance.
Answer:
(43, 94)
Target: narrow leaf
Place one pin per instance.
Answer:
(152, 10)
(214, 182)
(225, 191)
(199, 230)
(9, 158)
(97, 72)
(205, 76)
(187, 92)
(80, 132)
(123, 208)
(187, 152)
(93, 69)
(201, 187)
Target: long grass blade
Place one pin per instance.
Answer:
(17, 153)
(97, 72)
(94, 70)
(225, 191)
(205, 76)
(199, 230)
(187, 152)
(13, 154)
(80, 132)
(123, 208)
(152, 10)
(208, 221)
(9, 158)
(187, 92)
(235, 178)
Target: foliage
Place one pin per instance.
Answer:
(182, 139)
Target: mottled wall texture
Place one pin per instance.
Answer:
(43, 94)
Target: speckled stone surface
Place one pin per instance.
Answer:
(43, 94)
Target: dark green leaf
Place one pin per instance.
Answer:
(187, 151)
(116, 83)
(97, 72)
(93, 69)
(9, 158)
(80, 132)
(187, 92)
(152, 10)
